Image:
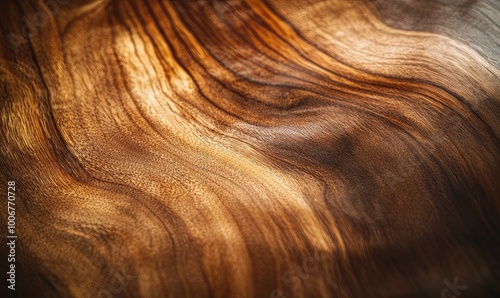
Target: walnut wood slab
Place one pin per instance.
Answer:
(256, 148)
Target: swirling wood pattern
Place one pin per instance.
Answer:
(256, 148)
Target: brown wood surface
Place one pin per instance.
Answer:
(254, 148)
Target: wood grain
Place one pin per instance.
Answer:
(300, 148)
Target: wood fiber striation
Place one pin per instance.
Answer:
(255, 148)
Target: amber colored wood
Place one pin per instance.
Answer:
(256, 148)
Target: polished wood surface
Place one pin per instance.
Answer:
(256, 148)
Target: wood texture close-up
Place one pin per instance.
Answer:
(250, 148)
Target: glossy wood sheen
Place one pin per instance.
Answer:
(254, 148)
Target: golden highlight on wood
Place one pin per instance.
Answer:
(251, 148)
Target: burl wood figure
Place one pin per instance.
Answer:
(250, 148)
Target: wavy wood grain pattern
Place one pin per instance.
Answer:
(254, 148)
